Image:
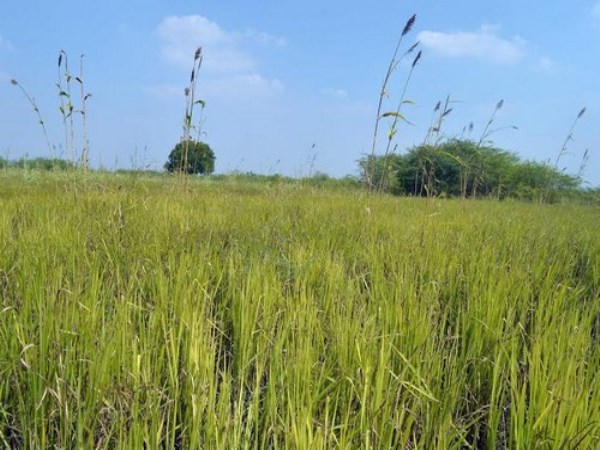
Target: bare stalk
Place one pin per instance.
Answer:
(36, 110)
(66, 102)
(85, 150)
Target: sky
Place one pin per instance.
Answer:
(292, 87)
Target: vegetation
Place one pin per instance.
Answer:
(396, 115)
(138, 314)
(467, 169)
(252, 311)
(191, 157)
(68, 109)
(37, 164)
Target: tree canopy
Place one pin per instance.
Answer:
(464, 168)
(192, 157)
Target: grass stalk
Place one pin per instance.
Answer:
(37, 112)
(383, 93)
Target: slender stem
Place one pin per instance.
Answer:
(382, 93)
(85, 148)
(33, 104)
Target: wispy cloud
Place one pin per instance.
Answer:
(244, 86)
(181, 35)
(484, 44)
(546, 64)
(335, 93)
(264, 38)
(228, 62)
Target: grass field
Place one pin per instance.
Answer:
(139, 312)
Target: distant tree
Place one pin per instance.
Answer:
(191, 157)
(38, 164)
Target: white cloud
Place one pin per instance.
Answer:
(181, 35)
(265, 38)
(335, 93)
(243, 86)
(484, 44)
(228, 66)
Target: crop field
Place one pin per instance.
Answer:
(149, 312)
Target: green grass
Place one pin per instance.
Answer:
(137, 312)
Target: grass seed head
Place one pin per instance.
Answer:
(409, 25)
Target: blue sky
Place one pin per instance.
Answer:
(291, 87)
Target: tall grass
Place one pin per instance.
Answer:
(395, 115)
(133, 316)
(36, 110)
(67, 109)
(190, 103)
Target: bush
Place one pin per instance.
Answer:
(463, 168)
(200, 159)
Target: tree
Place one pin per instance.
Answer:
(466, 169)
(192, 157)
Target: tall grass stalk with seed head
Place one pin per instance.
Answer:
(66, 107)
(68, 110)
(427, 168)
(383, 93)
(37, 112)
(563, 152)
(484, 139)
(397, 116)
(190, 104)
(84, 97)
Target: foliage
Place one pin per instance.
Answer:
(589, 196)
(37, 164)
(467, 169)
(192, 157)
(135, 313)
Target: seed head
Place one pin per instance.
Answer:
(409, 25)
(412, 48)
(417, 58)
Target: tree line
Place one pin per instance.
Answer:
(466, 169)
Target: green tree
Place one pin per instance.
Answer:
(192, 157)
(466, 169)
